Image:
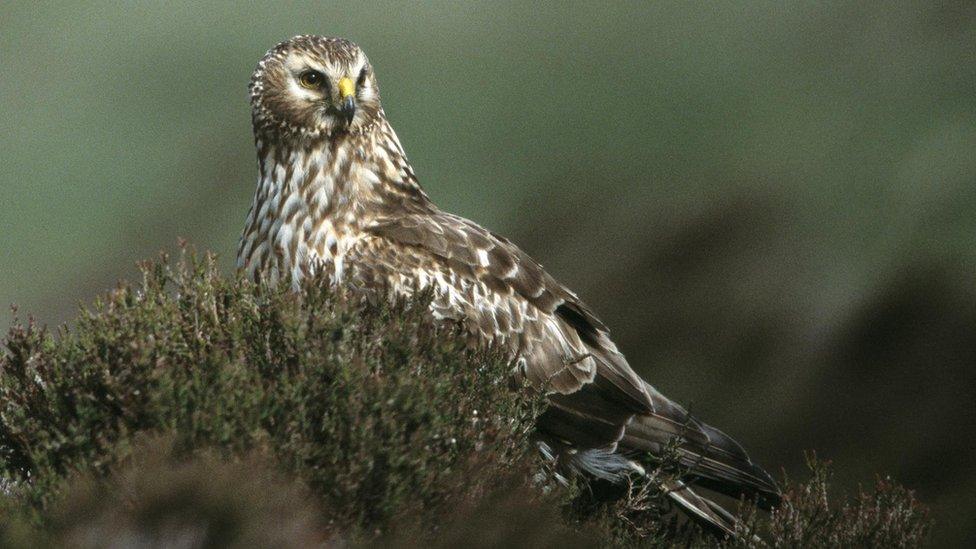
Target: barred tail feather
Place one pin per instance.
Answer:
(702, 510)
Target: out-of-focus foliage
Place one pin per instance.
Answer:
(772, 204)
(159, 497)
(200, 411)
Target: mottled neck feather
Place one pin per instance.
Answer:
(366, 171)
(313, 192)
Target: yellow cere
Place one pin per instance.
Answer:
(346, 87)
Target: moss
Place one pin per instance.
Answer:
(241, 415)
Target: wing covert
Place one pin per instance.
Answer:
(475, 253)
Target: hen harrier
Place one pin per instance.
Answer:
(337, 195)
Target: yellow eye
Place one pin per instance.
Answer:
(312, 79)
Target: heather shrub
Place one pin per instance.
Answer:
(218, 412)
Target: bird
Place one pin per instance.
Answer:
(337, 199)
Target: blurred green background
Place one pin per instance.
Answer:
(772, 204)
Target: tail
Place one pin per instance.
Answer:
(710, 458)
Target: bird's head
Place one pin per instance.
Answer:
(314, 86)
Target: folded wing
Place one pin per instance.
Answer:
(597, 400)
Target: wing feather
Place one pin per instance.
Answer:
(506, 270)
(597, 400)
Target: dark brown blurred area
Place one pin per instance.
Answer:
(771, 204)
(711, 309)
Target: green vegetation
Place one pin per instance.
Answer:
(220, 412)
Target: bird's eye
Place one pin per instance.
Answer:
(362, 77)
(312, 79)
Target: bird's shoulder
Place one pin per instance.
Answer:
(476, 252)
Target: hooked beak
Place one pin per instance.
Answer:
(347, 101)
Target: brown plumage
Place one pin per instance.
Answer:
(337, 195)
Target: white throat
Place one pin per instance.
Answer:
(312, 203)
